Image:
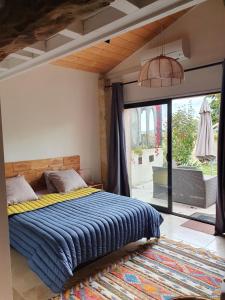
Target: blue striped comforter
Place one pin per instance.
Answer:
(58, 238)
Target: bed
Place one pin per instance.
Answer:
(60, 232)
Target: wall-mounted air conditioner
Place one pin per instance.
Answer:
(178, 50)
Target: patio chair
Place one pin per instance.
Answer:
(189, 186)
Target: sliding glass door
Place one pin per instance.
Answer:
(172, 161)
(149, 153)
(195, 123)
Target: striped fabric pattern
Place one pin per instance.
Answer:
(160, 271)
(58, 238)
(49, 199)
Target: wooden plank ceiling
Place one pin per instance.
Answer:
(104, 56)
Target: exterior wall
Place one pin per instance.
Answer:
(142, 173)
(203, 30)
(142, 151)
(51, 111)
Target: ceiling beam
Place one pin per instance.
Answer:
(53, 42)
(38, 48)
(70, 34)
(34, 50)
(11, 62)
(22, 55)
(104, 17)
(74, 30)
(153, 12)
(139, 17)
(125, 6)
(56, 41)
(24, 22)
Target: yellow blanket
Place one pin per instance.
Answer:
(47, 200)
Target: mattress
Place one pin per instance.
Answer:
(59, 237)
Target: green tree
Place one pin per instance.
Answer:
(215, 107)
(184, 126)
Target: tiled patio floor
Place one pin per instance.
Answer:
(145, 193)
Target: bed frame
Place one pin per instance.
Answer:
(33, 169)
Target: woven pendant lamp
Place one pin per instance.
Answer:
(161, 71)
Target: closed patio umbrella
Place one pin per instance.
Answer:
(205, 140)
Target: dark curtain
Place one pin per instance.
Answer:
(117, 172)
(220, 205)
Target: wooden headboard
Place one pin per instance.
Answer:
(33, 169)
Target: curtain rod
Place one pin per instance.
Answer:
(187, 70)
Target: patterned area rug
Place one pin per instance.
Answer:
(160, 270)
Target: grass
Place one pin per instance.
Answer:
(207, 169)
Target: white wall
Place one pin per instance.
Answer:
(5, 270)
(196, 82)
(203, 27)
(51, 111)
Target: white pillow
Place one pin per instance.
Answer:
(66, 180)
(18, 190)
